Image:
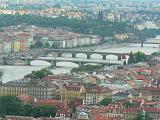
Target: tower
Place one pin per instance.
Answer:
(1, 74)
(100, 16)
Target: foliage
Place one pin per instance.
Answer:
(105, 101)
(45, 111)
(10, 105)
(137, 57)
(101, 28)
(142, 116)
(26, 110)
(47, 45)
(150, 33)
(38, 44)
(156, 54)
(129, 104)
(87, 68)
(39, 74)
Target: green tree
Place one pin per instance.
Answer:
(105, 101)
(42, 73)
(32, 46)
(87, 68)
(10, 105)
(156, 54)
(101, 28)
(137, 57)
(47, 45)
(26, 110)
(39, 74)
(129, 104)
(38, 44)
(140, 57)
(45, 111)
(143, 116)
(131, 58)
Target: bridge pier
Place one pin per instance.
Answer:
(104, 57)
(119, 57)
(59, 54)
(123, 56)
(27, 62)
(73, 55)
(88, 56)
(53, 63)
(80, 64)
(142, 44)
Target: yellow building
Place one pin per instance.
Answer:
(16, 46)
(121, 37)
(69, 92)
(13, 90)
(39, 92)
(95, 94)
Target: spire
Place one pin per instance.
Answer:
(82, 90)
(100, 15)
(1, 74)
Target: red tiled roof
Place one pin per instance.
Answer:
(72, 87)
(152, 110)
(61, 106)
(141, 77)
(98, 90)
(152, 88)
(24, 35)
(53, 77)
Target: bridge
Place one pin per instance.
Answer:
(142, 42)
(79, 61)
(60, 52)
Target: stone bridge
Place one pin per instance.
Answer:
(60, 52)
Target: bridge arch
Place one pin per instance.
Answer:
(67, 64)
(112, 57)
(40, 63)
(66, 54)
(81, 55)
(96, 56)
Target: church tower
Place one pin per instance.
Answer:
(100, 15)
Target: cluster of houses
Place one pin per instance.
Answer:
(49, 12)
(20, 38)
(134, 84)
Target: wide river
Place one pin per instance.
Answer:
(11, 73)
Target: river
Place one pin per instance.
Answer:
(17, 72)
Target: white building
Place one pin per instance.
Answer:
(148, 25)
(7, 47)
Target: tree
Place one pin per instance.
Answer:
(129, 104)
(156, 54)
(143, 116)
(47, 45)
(131, 58)
(2, 115)
(10, 105)
(39, 74)
(42, 73)
(44, 110)
(101, 28)
(137, 57)
(87, 68)
(140, 57)
(26, 110)
(38, 44)
(105, 101)
(32, 46)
